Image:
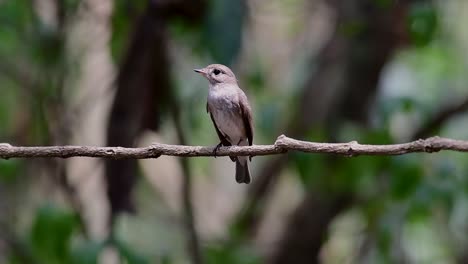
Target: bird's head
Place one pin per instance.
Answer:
(218, 73)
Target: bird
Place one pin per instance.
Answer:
(230, 113)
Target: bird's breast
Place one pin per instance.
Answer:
(226, 112)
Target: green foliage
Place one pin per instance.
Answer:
(8, 105)
(256, 80)
(87, 253)
(52, 240)
(388, 108)
(222, 33)
(55, 239)
(16, 18)
(267, 118)
(230, 253)
(128, 254)
(406, 176)
(384, 3)
(50, 48)
(390, 191)
(310, 167)
(384, 244)
(124, 17)
(352, 28)
(9, 170)
(355, 174)
(422, 23)
(51, 234)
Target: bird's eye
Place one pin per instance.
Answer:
(216, 71)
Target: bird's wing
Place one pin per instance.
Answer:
(221, 136)
(246, 114)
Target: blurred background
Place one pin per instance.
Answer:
(119, 73)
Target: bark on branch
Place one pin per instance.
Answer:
(282, 144)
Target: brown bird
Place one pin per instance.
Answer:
(230, 112)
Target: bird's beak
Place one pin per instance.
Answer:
(200, 71)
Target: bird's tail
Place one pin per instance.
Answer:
(242, 170)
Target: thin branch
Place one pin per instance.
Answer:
(439, 119)
(283, 144)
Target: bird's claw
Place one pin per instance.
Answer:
(217, 148)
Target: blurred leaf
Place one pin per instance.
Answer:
(384, 240)
(22, 27)
(87, 253)
(384, 3)
(8, 106)
(439, 187)
(391, 106)
(49, 47)
(256, 79)
(229, 253)
(16, 18)
(123, 20)
(352, 28)
(404, 104)
(310, 167)
(406, 175)
(71, 4)
(51, 233)
(353, 132)
(9, 169)
(354, 172)
(266, 116)
(378, 137)
(422, 23)
(420, 206)
(165, 260)
(373, 209)
(359, 173)
(128, 254)
(223, 30)
(8, 40)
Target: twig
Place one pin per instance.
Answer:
(282, 145)
(439, 119)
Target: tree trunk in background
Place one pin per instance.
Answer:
(143, 92)
(142, 87)
(89, 107)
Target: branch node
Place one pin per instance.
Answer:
(155, 149)
(430, 144)
(281, 143)
(155, 146)
(110, 151)
(351, 152)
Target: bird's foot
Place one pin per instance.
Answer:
(217, 148)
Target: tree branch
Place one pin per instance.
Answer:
(439, 119)
(283, 144)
